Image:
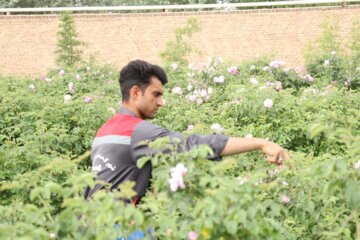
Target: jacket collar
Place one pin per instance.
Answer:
(124, 110)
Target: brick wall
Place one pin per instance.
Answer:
(27, 43)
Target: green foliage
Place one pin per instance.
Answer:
(331, 61)
(176, 51)
(68, 46)
(45, 145)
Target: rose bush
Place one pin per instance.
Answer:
(45, 165)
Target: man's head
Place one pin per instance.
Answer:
(142, 88)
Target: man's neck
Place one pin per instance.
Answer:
(132, 108)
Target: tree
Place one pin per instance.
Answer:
(68, 47)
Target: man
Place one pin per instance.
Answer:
(116, 147)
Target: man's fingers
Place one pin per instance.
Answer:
(278, 158)
(273, 158)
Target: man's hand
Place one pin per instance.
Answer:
(274, 153)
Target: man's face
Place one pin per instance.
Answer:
(150, 100)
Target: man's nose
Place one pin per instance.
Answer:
(161, 102)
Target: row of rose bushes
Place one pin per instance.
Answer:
(48, 124)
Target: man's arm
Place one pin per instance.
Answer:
(275, 153)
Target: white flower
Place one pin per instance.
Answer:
(62, 72)
(177, 90)
(309, 78)
(111, 109)
(285, 199)
(77, 76)
(192, 98)
(71, 87)
(49, 80)
(190, 127)
(87, 99)
(189, 87)
(252, 68)
(191, 75)
(333, 53)
(177, 177)
(88, 68)
(32, 87)
(284, 183)
(326, 62)
(174, 66)
(219, 79)
(269, 84)
(67, 98)
(199, 101)
(357, 165)
(242, 180)
(203, 93)
(233, 70)
(254, 81)
(358, 69)
(276, 63)
(192, 66)
(266, 68)
(268, 103)
(216, 127)
(52, 235)
(210, 90)
(249, 136)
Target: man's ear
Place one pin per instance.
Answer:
(135, 92)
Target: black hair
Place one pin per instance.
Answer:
(138, 73)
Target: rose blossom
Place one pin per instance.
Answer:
(266, 69)
(219, 79)
(177, 90)
(268, 103)
(276, 63)
(192, 235)
(357, 165)
(233, 70)
(71, 87)
(176, 180)
(278, 86)
(285, 199)
(111, 109)
(174, 66)
(32, 87)
(192, 98)
(309, 78)
(67, 98)
(254, 81)
(199, 101)
(203, 93)
(87, 99)
(216, 127)
(62, 72)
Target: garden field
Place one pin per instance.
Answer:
(47, 125)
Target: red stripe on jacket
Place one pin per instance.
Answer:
(120, 124)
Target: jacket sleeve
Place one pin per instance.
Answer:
(146, 131)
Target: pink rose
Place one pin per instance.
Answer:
(192, 235)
